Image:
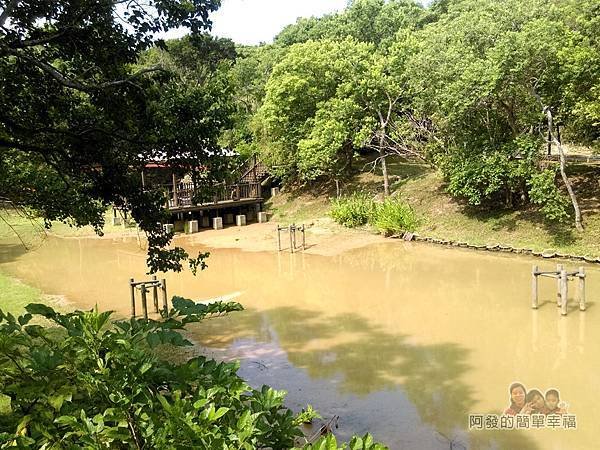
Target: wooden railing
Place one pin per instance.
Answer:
(184, 194)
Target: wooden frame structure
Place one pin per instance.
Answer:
(562, 276)
(143, 287)
(292, 232)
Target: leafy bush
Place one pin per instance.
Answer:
(491, 177)
(352, 211)
(329, 442)
(89, 382)
(394, 216)
(543, 191)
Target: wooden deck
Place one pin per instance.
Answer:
(227, 196)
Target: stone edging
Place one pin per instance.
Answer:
(495, 248)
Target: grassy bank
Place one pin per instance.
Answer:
(16, 228)
(440, 216)
(14, 295)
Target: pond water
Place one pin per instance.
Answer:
(403, 340)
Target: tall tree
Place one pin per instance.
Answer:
(80, 118)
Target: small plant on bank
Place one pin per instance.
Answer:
(352, 211)
(394, 216)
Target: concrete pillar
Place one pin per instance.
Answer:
(205, 222)
(228, 219)
(116, 221)
(240, 220)
(274, 191)
(192, 226)
(262, 217)
(169, 227)
(218, 223)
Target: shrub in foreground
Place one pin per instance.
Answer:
(394, 216)
(89, 382)
(353, 210)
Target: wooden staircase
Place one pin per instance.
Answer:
(253, 171)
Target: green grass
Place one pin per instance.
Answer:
(354, 210)
(394, 216)
(14, 295)
(443, 217)
(15, 227)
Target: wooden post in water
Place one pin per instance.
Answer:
(534, 287)
(163, 288)
(155, 293)
(278, 238)
(132, 288)
(291, 240)
(294, 228)
(581, 288)
(144, 301)
(564, 291)
(559, 269)
(303, 239)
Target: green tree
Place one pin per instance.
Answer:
(81, 118)
(482, 74)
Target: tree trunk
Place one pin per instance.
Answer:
(563, 173)
(382, 156)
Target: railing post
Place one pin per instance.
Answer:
(174, 191)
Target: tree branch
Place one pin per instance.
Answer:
(74, 84)
(12, 4)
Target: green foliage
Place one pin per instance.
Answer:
(306, 416)
(394, 216)
(89, 382)
(93, 383)
(543, 192)
(329, 442)
(353, 210)
(389, 217)
(83, 114)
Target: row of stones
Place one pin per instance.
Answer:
(496, 248)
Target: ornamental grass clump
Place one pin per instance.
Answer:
(352, 211)
(394, 216)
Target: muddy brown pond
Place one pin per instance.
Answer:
(402, 340)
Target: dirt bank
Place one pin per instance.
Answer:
(323, 237)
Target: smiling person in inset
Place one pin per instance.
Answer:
(517, 399)
(552, 401)
(536, 401)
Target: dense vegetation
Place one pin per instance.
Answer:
(472, 87)
(392, 216)
(89, 382)
(467, 85)
(90, 96)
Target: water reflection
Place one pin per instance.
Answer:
(400, 339)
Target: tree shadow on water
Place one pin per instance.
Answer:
(367, 359)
